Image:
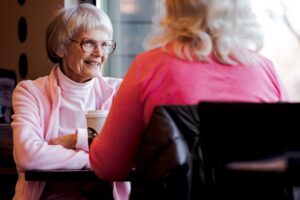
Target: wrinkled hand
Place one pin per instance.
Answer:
(68, 141)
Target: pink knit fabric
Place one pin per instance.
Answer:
(155, 78)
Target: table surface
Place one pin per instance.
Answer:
(61, 175)
(291, 174)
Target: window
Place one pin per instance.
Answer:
(131, 21)
(279, 18)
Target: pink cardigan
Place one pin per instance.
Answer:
(156, 77)
(36, 120)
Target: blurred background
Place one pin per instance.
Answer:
(23, 24)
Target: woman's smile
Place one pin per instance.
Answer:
(92, 63)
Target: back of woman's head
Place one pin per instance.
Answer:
(197, 28)
(70, 22)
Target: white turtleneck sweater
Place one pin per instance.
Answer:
(76, 98)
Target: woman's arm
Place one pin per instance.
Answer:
(112, 153)
(31, 150)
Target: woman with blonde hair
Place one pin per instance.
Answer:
(203, 50)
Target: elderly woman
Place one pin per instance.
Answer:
(201, 54)
(49, 126)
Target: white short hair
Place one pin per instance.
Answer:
(197, 28)
(72, 21)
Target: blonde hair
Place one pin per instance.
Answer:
(71, 21)
(197, 28)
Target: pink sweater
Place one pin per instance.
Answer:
(155, 78)
(36, 119)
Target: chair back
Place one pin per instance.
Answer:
(6, 146)
(235, 132)
(185, 149)
(8, 172)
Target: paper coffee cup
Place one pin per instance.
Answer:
(95, 119)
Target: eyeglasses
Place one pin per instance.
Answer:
(89, 45)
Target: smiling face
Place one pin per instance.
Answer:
(80, 66)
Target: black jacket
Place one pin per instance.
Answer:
(169, 164)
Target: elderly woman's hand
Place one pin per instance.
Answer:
(68, 141)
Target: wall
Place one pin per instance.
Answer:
(37, 13)
(281, 46)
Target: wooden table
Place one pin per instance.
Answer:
(61, 175)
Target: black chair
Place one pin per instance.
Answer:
(185, 151)
(248, 132)
(8, 172)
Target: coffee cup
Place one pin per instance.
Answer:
(95, 120)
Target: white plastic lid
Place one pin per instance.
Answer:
(97, 113)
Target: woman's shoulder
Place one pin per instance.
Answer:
(151, 53)
(260, 59)
(39, 82)
(154, 57)
(112, 82)
(37, 86)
